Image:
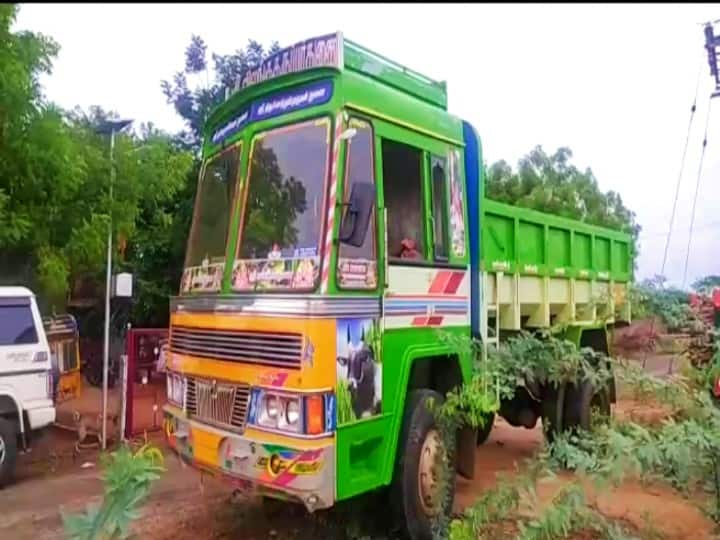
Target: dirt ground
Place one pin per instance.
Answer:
(54, 479)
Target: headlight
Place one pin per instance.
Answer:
(175, 388)
(272, 407)
(292, 412)
(307, 414)
(279, 412)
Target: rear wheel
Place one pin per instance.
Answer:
(424, 482)
(585, 405)
(553, 404)
(8, 451)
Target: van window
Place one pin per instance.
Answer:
(18, 327)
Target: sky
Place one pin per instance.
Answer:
(614, 83)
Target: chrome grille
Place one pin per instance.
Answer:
(266, 348)
(217, 403)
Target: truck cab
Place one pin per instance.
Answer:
(26, 379)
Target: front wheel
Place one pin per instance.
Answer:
(8, 451)
(424, 482)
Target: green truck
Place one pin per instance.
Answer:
(340, 226)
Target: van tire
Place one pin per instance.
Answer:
(8, 451)
(418, 425)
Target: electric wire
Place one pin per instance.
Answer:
(677, 195)
(697, 189)
(682, 166)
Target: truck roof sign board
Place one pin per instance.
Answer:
(313, 53)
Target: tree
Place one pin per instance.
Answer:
(54, 172)
(550, 183)
(707, 284)
(194, 105)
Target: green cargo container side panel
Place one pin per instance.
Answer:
(515, 237)
(559, 248)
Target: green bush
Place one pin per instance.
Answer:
(127, 479)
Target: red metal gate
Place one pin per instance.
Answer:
(145, 392)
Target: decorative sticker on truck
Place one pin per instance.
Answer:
(427, 297)
(291, 100)
(204, 278)
(309, 95)
(231, 127)
(275, 273)
(359, 369)
(357, 273)
(282, 465)
(457, 212)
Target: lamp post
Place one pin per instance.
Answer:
(109, 127)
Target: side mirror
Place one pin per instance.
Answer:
(356, 220)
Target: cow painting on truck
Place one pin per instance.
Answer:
(340, 224)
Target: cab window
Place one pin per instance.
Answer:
(438, 179)
(357, 266)
(403, 195)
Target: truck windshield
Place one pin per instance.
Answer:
(208, 238)
(284, 209)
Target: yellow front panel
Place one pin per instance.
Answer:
(317, 373)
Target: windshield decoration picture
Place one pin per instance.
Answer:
(203, 278)
(276, 271)
(357, 273)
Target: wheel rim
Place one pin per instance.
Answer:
(2, 450)
(429, 474)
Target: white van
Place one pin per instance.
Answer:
(26, 381)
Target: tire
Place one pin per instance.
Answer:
(553, 402)
(582, 402)
(420, 431)
(8, 451)
(484, 432)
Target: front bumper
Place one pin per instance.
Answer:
(277, 466)
(40, 415)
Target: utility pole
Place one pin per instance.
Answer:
(711, 44)
(111, 127)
